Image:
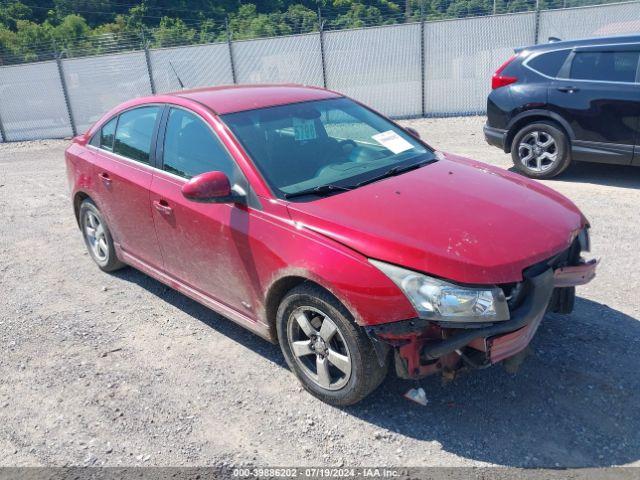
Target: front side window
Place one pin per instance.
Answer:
(135, 133)
(191, 148)
(605, 66)
(337, 142)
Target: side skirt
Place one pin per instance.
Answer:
(256, 327)
(611, 153)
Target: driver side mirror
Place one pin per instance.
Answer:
(210, 187)
(412, 131)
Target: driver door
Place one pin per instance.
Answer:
(202, 244)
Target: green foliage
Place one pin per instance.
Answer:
(39, 29)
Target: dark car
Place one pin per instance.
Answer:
(567, 101)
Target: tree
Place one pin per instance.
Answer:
(173, 31)
(12, 12)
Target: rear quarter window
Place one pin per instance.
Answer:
(549, 63)
(134, 133)
(103, 138)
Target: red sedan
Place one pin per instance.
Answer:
(320, 224)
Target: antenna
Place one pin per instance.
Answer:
(176, 74)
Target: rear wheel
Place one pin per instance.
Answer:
(540, 150)
(97, 237)
(329, 353)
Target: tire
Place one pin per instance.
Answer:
(540, 164)
(323, 312)
(100, 244)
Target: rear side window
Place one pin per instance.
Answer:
(104, 137)
(191, 148)
(549, 64)
(134, 133)
(605, 66)
(107, 134)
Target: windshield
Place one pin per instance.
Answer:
(338, 143)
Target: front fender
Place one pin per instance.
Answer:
(370, 296)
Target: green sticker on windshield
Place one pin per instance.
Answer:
(304, 129)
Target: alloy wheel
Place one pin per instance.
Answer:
(319, 348)
(538, 151)
(96, 238)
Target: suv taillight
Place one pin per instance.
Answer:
(499, 80)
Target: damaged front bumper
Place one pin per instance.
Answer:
(423, 348)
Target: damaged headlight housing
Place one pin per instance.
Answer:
(437, 300)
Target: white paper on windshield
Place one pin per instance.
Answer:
(392, 141)
(304, 129)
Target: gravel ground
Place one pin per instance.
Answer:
(101, 369)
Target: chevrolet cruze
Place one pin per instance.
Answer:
(318, 223)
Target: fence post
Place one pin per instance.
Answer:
(147, 57)
(537, 31)
(322, 54)
(2, 131)
(65, 92)
(423, 62)
(230, 46)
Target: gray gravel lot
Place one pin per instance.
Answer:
(99, 369)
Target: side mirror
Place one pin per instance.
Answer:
(209, 187)
(412, 131)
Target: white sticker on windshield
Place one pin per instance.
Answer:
(304, 129)
(392, 141)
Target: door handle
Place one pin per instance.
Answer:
(162, 206)
(105, 178)
(568, 89)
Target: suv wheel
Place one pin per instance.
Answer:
(331, 355)
(98, 238)
(540, 150)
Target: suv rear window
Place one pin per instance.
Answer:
(605, 66)
(549, 64)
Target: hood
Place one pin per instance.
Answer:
(455, 218)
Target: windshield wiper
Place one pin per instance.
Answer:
(332, 188)
(319, 190)
(397, 170)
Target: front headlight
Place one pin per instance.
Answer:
(437, 300)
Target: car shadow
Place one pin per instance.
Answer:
(623, 176)
(205, 315)
(572, 403)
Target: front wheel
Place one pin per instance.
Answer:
(540, 150)
(329, 353)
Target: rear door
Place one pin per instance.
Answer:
(123, 165)
(204, 245)
(598, 94)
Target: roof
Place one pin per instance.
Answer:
(238, 98)
(609, 40)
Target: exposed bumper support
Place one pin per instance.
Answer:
(574, 275)
(421, 350)
(530, 313)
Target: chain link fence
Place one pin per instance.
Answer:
(424, 68)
